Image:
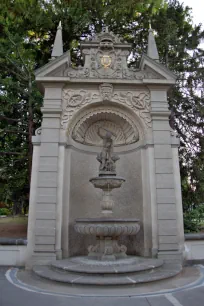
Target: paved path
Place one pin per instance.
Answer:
(11, 295)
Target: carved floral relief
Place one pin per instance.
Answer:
(138, 101)
(73, 100)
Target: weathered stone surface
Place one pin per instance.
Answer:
(164, 166)
(165, 195)
(49, 149)
(160, 125)
(168, 270)
(48, 164)
(167, 227)
(45, 231)
(163, 151)
(167, 211)
(126, 265)
(161, 137)
(50, 135)
(164, 180)
(158, 95)
(45, 240)
(45, 215)
(132, 104)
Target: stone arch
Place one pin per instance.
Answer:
(123, 122)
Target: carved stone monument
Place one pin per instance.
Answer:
(119, 115)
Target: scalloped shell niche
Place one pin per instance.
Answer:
(85, 131)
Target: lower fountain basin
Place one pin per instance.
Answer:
(107, 227)
(107, 182)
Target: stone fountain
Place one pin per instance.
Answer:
(106, 229)
(81, 106)
(107, 262)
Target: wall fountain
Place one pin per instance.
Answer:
(107, 229)
(107, 262)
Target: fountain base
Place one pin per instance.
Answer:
(107, 231)
(129, 271)
(84, 264)
(106, 249)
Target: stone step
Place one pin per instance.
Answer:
(84, 265)
(166, 271)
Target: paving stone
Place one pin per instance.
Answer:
(193, 297)
(11, 295)
(159, 301)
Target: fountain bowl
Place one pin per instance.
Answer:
(107, 182)
(107, 227)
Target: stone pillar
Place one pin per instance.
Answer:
(166, 169)
(32, 200)
(149, 201)
(66, 206)
(46, 213)
(59, 208)
(177, 184)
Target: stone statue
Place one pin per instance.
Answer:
(106, 157)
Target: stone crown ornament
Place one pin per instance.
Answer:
(105, 56)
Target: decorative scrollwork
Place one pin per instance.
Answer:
(131, 73)
(94, 248)
(80, 72)
(38, 131)
(105, 56)
(138, 101)
(73, 100)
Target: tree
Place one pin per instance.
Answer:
(19, 111)
(29, 29)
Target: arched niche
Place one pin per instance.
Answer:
(126, 127)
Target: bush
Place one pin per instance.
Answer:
(193, 219)
(4, 212)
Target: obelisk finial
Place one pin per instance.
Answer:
(152, 46)
(58, 43)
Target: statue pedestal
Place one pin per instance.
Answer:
(107, 183)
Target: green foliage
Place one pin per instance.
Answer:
(4, 212)
(28, 29)
(193, 219)
(20, 103)
(27, 33)
(178, 42)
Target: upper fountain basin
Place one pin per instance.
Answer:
(107, 226)
(107, 182)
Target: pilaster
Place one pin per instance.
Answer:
(60, 198)
(32, 200)
(66, 208)
(48, 177)
(166, 169)
(149, 201)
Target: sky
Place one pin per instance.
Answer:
(197, 10)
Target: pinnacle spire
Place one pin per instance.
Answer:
(58, 44)
(152, 47)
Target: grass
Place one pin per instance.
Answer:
(14, 220)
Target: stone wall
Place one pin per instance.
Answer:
(82, 199)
